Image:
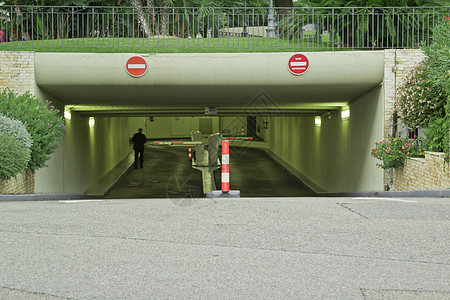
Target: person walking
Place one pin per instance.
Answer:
(139, 139)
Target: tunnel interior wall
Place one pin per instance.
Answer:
(88, 154)
(49, 179)
(366, 126)
(333, 157)
(181, 127)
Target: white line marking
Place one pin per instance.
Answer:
(298, 64)
(385, 199)
(136, 66)
(80, 201)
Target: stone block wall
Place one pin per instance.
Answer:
(17, 72)
(423, 173)
(22, 184)
(397, 65)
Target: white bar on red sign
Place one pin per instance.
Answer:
(136, 66)
(298, 64)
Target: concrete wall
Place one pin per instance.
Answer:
(171, 127)
(334, 157)
(89, 153)
(366, 125)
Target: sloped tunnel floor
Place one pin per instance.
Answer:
(255, 174)
(168, 173)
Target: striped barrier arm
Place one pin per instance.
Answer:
(187, 143)
(238, 138)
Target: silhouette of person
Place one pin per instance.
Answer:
(139, 139)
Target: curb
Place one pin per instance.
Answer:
(45, 197)
(412, 193)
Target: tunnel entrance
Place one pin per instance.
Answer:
(168, 173)
(296, 121)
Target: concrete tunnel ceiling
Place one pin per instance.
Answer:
(238, 83)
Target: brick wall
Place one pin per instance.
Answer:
(17, 72)
(423, 173)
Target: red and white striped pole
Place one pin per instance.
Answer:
(190, 153)
(225, 166)
(242, 130)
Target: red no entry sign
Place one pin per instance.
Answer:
(298, 64)
(136, 66)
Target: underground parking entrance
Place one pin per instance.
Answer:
(310, 132)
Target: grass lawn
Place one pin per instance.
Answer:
(170, 45)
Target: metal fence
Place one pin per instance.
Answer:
(240, 29)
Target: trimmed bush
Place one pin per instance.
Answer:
(41, 119)
(16, 129)
(14, 157)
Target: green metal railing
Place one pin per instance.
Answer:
(190, 29)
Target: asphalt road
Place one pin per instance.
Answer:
(248, 248)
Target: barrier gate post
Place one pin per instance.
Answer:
(225, 191)
(225, 166)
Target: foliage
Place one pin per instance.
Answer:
(13, 157)
(393, 151)
(418, 100)
(16, 129)
(369, 3)
(438, 63)
(367, 23)
(41, 120)
(435, 134)
(438, 55)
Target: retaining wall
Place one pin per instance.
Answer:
(22, 184)
(423, 173)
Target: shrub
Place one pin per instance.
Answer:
(14, 157)
(438, 63)
(41, 119)
(418, 100)
(438, 55)
(393, 151)
(16, 129)
(435, 135)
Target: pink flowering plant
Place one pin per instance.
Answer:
(418, 100)
(392, 152)
(41, 119)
